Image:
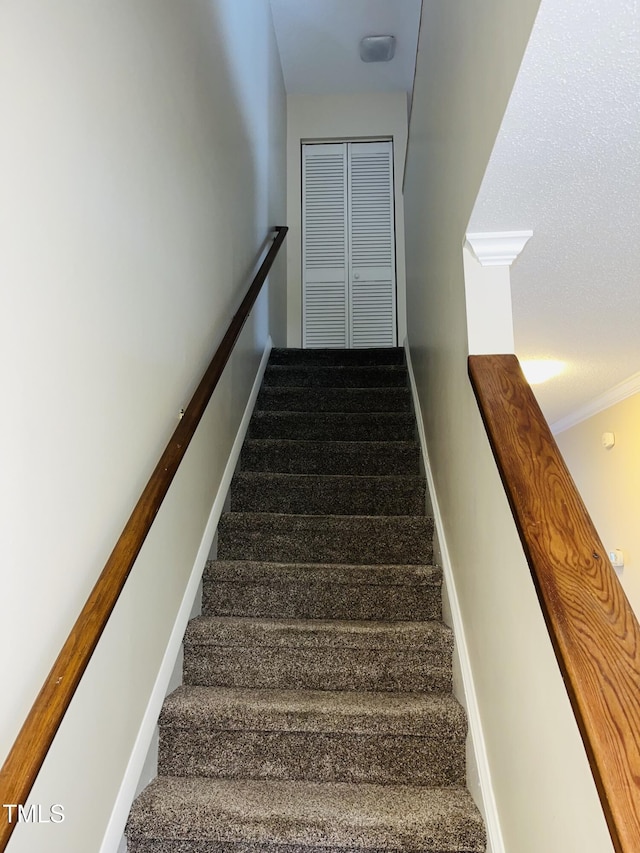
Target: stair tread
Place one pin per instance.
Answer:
(335, 376)
(340, 400)
(255, 571)
(327, 446)
(314, 633)
(335, 711)
(303, 520)
(321, 538)
(310, 457)
(337, 426)
(325, 815)
(353, 417)
(364, 480)
(318, 494)
(338, 390)
(308, 815)
(321, 590)
(323, 355)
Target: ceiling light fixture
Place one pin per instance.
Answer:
(539, 370)
(377, 48)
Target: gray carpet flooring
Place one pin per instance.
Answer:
(316, 713)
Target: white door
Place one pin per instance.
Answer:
(348, 245)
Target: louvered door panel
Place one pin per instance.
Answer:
(348, 254)
(325, 246)
(372, 312)
(372, 245)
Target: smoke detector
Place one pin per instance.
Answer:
(377, 48)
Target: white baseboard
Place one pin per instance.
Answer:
(480, 786)
(113, 836)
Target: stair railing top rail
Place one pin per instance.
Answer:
(594, 632)
(30, 748)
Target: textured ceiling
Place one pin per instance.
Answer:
(566, 164)
(318, 42)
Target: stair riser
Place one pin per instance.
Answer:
(316, 495)
(317, 668)
(302, 426)
(321, 601)
(317, 458)
(312, 756)
(334, 400)
(330, 377)
(309, 539)
(335, 357)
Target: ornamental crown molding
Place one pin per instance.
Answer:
(603, 401)
(497, 248)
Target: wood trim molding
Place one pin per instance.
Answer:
(593, 630)
(598, 404)
(27, 754)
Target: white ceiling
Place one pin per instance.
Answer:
(318, 42)
(566, 164)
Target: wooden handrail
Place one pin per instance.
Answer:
(594, 632)
(34, 740)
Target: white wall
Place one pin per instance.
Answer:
(333, 118)
(142, 161)
(546, 800)
(609, 482)
(488, 306)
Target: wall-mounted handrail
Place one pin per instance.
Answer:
(593, 630)
(34, 739)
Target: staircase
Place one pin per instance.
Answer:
(316, 713)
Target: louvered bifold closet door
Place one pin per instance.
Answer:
(324, 242)
(372, 245)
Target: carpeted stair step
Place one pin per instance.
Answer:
(306, 376)
(201, 815)
(338, 357)
(320, 736)
(333, 426)
(317, 713)
(321, 494)
(330, 457)
(318, 654)
(280, 538)
(321, 591)
(293, 399)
